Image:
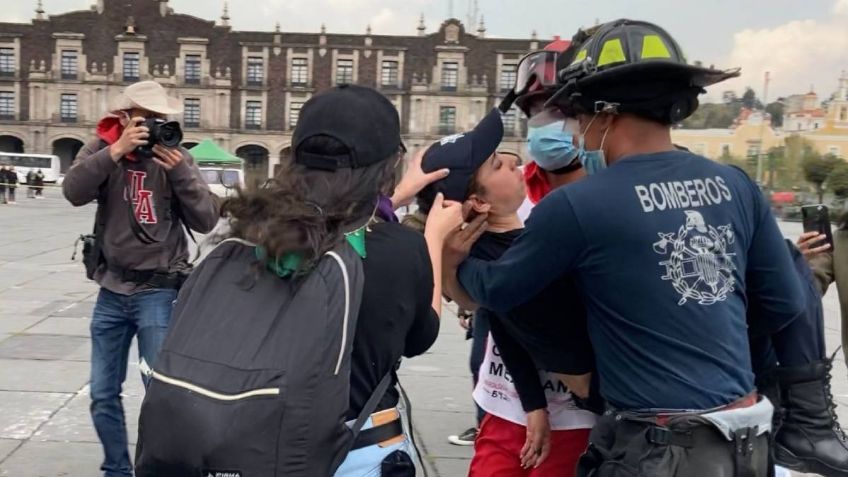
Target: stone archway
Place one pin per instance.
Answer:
(9, 143)
(66, 148)
(255, 164)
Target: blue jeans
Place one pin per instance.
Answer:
(366, 462)
(116, 319)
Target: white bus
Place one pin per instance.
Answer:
(222, 181)
(49, 165)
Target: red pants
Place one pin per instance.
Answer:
(499, 443)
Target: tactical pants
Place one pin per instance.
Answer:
(621, 445)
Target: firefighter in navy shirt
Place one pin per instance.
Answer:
(665, 246)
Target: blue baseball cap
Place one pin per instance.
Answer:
(463, 154)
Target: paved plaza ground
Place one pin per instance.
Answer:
(45, 309)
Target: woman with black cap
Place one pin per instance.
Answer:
(346, 148)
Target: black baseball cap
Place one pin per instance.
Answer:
(463, 154)
(362, 119)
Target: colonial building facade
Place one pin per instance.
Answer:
(243, 89)
(825, 128)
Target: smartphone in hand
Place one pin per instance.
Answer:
(817, 219)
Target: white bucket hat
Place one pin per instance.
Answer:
(148, 95)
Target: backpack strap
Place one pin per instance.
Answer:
(372, 403)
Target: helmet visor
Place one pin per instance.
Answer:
(536, 71)
(545, 117)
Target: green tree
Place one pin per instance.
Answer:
(750, 101)
(817, 168)
(713, 115)
(775, 109)
(837, 182)
(776, 165)
(794, 152)
(749, 167)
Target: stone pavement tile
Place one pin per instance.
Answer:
(54, 459)
(66, 282)
(26, 294)
(9, 279)
(436, 426)
(72, 309)
(429, 393)
(16, 323)
(45, 347)
(45, 376)
(62, 326)
(24, 412)
(73, 422)
(438, 363)
(7, 446)
(22, 307)
(450, 467)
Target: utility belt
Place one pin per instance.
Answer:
(151, 278)
(731, 441)
(387, 429)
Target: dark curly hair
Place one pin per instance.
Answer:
(307, 211)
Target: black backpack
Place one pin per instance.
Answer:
(253, 379)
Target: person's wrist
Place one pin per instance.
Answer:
(116, 151)
(401, 197)
(433, 236)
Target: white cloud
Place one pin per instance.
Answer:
(841, 7)
(796, 54)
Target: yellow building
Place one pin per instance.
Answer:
(752, 132)
(832, 137)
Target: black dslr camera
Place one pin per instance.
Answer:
(166, 133)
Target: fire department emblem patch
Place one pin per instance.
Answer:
(697, 263)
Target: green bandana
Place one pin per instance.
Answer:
(288, 264)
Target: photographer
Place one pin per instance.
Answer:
(147, 189)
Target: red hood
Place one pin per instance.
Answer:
(109, 129)
(537, 182)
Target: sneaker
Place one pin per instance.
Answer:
(465, 439)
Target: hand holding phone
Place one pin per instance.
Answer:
(816, 219)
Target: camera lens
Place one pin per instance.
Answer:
(170, 134)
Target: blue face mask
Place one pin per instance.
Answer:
(593, 161)
(550, 146)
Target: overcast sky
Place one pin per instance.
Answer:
(802, 43)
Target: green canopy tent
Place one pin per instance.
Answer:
(207, 153)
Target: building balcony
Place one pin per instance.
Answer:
(444, 130)
(253, 126)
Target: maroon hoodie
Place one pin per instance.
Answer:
(152, 193)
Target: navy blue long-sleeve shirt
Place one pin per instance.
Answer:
(664, 248)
